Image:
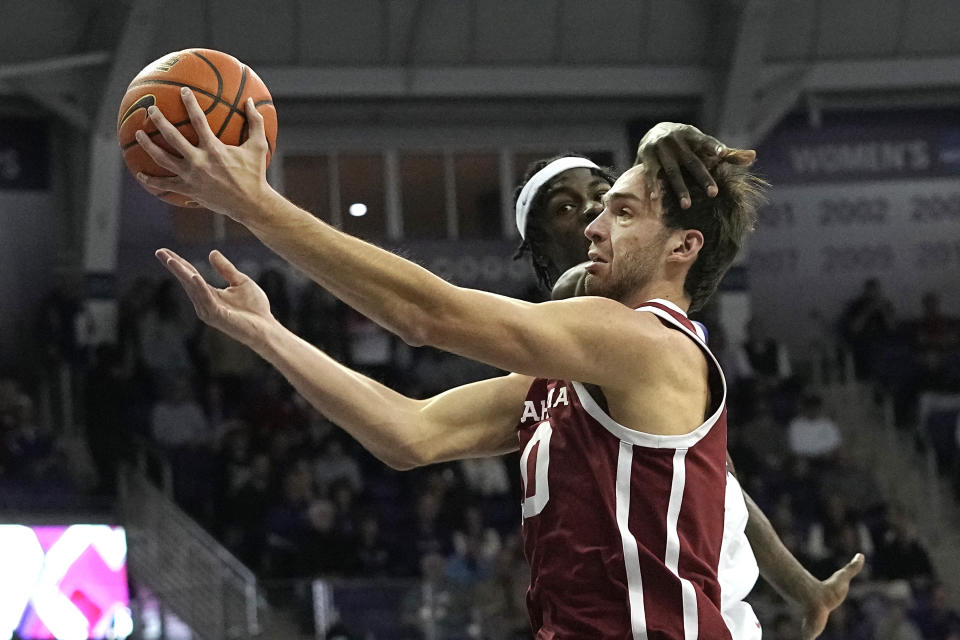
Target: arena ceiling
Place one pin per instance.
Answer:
(742, 64)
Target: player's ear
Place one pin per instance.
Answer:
(686, 245)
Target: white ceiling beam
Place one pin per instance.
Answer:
(578, 82)
(131, 56)
(881, 75)
(52, 65)
(738, 105)
(55, 103)
(776, 102)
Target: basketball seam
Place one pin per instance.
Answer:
(216, 72)
(204, 92)
(236, 101)
(183, 122)
(217, 99)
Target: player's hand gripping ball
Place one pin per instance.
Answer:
(221, 84)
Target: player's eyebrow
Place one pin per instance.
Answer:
(561, 188)
(619, 195)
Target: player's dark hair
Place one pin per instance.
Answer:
(723, 220)
(536, 238)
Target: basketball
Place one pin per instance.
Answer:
(221, 84)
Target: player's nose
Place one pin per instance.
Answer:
(596, 229)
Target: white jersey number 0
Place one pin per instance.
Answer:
(535, 470)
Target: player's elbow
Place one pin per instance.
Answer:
(405, 458)
(398, 464)
(421, 328)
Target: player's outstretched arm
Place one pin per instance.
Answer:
(469, 421)
(784, 572)
(558, 341)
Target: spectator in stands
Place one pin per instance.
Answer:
(278, 420)
(836, 536)
(762, 434)
(323, 551)
(935, 617)
(179, 425)
(766, 358)
(737, 371)
(177, 420)
(274, 284)
(164, 332)
(785, 627)
(763, 370)
(785, 522)
(435, 607)
(895, 624)
(936, 337)
(500, 601)
(899, 553)
(470, 567)
(343, 496)
(847, 622)
(812, 434)
(245, 510)
(486, 477)
(473, 531)
(320, 320)
(59, 313)
(822, 349)
(474, 548)
(286, 522)
(373, 557)
(333, 464)
(33, 457)
(426, 536)
(801, 482)
(371, 349)
(853, 484)
(108, 385)
(229, 368)
(866, 325)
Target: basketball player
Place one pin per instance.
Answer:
(558, 198)
(599, 471)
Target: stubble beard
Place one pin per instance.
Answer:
(638, 271)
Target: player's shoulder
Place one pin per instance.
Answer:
(633, 332)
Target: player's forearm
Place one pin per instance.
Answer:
(777, 565)
(396, 293)
(380, 419)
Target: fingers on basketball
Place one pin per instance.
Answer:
(220, 85)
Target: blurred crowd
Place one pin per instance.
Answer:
(296, 499)
(915, 359)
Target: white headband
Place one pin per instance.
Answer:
(541, 178)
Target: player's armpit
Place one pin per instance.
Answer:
(471, 421)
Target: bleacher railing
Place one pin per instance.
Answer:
(184, 566)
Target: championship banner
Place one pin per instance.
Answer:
(852, 202)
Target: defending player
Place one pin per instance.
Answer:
(654, 451)
(558, 198)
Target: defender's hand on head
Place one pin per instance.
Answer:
(671, 146)
(224, 178)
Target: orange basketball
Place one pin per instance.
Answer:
(221, 84)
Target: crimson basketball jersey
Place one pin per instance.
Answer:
(623, 529)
